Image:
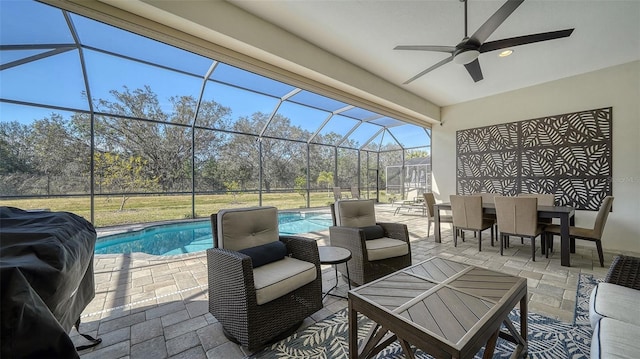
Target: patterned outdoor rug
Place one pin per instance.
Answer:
(548, 338)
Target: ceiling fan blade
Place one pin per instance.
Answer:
(474, 70)
(447, 60)
(523, 40)
(482, 34)
(448, 49)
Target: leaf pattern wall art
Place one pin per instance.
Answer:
(568, 155)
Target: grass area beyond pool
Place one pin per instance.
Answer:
(143, 209)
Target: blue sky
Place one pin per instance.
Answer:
(58, 80)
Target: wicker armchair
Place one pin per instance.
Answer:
(371, 258)
(625, 271)
(257, 305)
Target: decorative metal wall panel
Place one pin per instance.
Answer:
(568, 155)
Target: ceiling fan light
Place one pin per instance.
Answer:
(505, 53)
(466, 57)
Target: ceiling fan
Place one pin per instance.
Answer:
(467, 51)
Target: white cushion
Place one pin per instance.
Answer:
(616, 302)
(383, 248)
(278, 278)
(615, 339)
(242, 228)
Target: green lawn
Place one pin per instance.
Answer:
(142, 209)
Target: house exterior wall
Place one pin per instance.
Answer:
(618, 87)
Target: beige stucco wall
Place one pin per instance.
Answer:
(618, 87)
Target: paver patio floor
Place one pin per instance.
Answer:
(157, 307)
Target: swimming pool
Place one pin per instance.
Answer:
(189, 237)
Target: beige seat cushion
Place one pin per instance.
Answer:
(615, 302)
(278, 278)
(383, 248)
(615, 339)
(573, 231)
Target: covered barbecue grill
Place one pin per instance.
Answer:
(46, 263)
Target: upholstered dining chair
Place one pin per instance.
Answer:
(355, 192)
(261, 285)
(591, 234)
(467, 214)
(487, 197)
(518, 216)
(544, 199)
(377, 248)
(429, 202)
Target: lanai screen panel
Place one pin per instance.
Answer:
(234, 114)
(295, 122)
(347, 168)
(185, 124)
(321, 173)
(43, 153)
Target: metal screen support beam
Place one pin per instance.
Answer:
(260, 171)
(212, 68)
(359, 173)
(335, 166)
(87, 88)
(404, 168)
(308, 176)
(275, 110)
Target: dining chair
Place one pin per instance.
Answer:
(487, 197)
(429, 202)
(338, 195)
(591, 234)
(544, 199)
(467, 214)
(518, 216)
(355, 192)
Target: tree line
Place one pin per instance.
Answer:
(140, 148)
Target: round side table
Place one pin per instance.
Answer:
(333, 256)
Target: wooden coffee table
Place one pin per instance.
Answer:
(447, 309)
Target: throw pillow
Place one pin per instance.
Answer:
(265, 253)
(373, 232)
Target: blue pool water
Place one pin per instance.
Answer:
(189, 237)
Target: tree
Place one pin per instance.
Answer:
(16, 158)
(163, 140)
(325, 177)
(280, 159)
(416, 154)
(14, 148)
(232, 187)
(53, 150)
(122, 174)
(301, 186)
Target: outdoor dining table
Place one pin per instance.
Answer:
(564, 213)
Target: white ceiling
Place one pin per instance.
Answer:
(364, 32)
